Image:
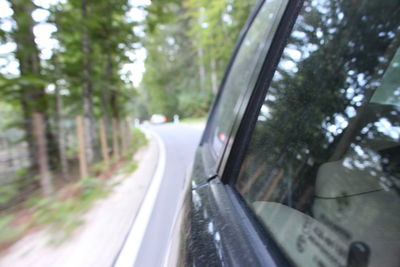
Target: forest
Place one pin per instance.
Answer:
(188, 46)
(70, 94)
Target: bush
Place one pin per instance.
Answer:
(194, 104)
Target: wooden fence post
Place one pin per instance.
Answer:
(115, 138)
(81, 147)
(103, 142)
(42, 158)
(61, 134)
(9, 155)
(123, 137)
(128, 132)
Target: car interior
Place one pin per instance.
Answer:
(344, 224)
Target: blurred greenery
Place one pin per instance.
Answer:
(188, 44)
(63, 211)
(88, 72)
(63, 215)
(129, 168)
(194, 120)
(9, 233)
(7, 192)
(139, 139)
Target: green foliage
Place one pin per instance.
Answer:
(139, 139)
(195, 104)
(92, 188)
(65, 214)
(8, 192)
(175, 34)
(188, 43)
(31, 89)
(40, 81)
(109, 43)
(194, 120)
(129, 168)
(9, 233)
(98, 167)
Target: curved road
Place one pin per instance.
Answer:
(178, 144)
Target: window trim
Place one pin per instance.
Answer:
(232, 158)
(210, 158)
(255, 229)
(238, 232)
(207, 134)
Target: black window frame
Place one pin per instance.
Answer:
(214, 164)
(232, 158)
(221, 173)
(234, 153)
(230, 161)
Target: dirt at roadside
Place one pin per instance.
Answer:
(98, 240)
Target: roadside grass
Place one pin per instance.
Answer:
(140, 139)
(194, 120)
(9, 232)
(62, 213)
(128, 168)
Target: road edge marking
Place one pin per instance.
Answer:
(186, 186)
(129, 252)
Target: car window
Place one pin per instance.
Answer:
(243, 72)
(322, 170)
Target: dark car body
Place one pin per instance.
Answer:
(217, 225)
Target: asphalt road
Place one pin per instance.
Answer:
(180, 142)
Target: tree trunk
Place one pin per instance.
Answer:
(114, 109)
(202, 70)
(32, 96)
(38, 126)
(26, 111)
(108, 72)
(214, 82)
(87, 88)
(60, 134)
(105, 98)
(114, 92)
(103, 143)
(83, 168)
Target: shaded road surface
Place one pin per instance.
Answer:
(179, 142)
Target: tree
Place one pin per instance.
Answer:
(87, 82)
(32, 94)
(91, 57)
(188, 45)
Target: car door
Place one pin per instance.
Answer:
(300, 165)
(216, 236)
(308, 172)
(321, 170)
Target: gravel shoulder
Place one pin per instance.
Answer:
(98, 241)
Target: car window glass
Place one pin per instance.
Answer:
(322, 170)
(243, 71)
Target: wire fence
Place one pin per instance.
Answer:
(49, 153)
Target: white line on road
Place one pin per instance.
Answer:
(130, 250)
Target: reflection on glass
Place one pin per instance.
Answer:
(247, 64)
(322, 170)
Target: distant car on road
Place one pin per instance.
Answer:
(158, 118)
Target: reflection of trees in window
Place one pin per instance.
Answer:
(333, 62)
(246, 66)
